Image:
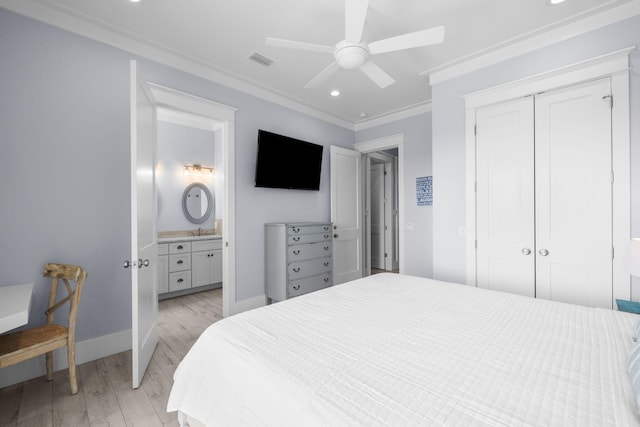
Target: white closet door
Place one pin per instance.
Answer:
(573, 195)
(505, 197)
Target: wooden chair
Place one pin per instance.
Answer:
(22, 345)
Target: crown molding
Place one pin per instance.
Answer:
(96, 30)
(414, 110)
(511, 49)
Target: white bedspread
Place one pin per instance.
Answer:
(395, 350)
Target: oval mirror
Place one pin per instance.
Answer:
(197, 203)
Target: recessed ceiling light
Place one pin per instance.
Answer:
(335, 93)
(554, 2)
(364, 115)
(134, 1)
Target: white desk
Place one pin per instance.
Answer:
(15, 302)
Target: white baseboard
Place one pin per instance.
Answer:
(86, 351)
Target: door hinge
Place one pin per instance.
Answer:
(475, 244)
(475, 186)
(475, 130)
(609, 99)
(613, 253)
(613, 177)
(385, 255)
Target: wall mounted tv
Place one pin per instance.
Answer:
(285, 162)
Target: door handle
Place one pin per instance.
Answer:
(543, 252)
(526, 251)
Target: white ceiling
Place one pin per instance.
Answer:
(216, 37)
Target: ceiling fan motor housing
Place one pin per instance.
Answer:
(351, 55)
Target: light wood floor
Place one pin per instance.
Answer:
(105, 396)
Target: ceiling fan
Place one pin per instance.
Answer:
(353, 53)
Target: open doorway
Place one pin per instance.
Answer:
(381, 211)
(383, 199)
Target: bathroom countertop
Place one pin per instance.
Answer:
(188, 238)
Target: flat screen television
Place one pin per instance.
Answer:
(285, 162)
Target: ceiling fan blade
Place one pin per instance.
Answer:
(290, 44)
(426, 37)
(324, 75)
(377, 74)
(355, 14)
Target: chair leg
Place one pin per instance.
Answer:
(73, 380)
(49, 361)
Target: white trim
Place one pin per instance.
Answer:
(385, 143)
(187, 103)
(404, 113)
(87, 27)
(513, 48)
(589, 69)
(86, 351)
(615, 66)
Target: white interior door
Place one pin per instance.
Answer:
(144, 328)
(346, 214)
(573, 195)
(505, 197)
(377, 216)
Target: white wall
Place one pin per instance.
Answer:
(449, 136)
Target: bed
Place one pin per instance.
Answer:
(397, 350)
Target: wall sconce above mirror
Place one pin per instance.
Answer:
(197, 170)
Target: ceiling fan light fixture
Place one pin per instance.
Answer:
(351, 56)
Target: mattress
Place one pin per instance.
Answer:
(397, 350)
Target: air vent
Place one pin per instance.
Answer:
(261, 59)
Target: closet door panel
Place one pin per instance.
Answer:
(505, 188)
(573, 195)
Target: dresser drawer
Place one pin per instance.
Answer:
(179, 262)
(179, 280)
(308, 251)
(309, 268)
(206, 245)
(179, 247)
(294, 230)
(308, 284)
(308, 238)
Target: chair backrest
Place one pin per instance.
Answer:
(64, 272)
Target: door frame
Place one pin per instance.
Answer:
(385, 143)
(614, 65)
(388, 162)
(173, 99)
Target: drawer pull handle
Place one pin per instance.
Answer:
(326, 236)
(326, 248)
(296, 239)
(295, 230)
(179, 261)
(326, 280)
(296, 287)
(180, 247)
(296, 270)
(180, 280)
(326, 264)
(296, 252)
(325, 228)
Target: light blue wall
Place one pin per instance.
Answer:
(449, 136)
(64, 167)
(418, 253)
